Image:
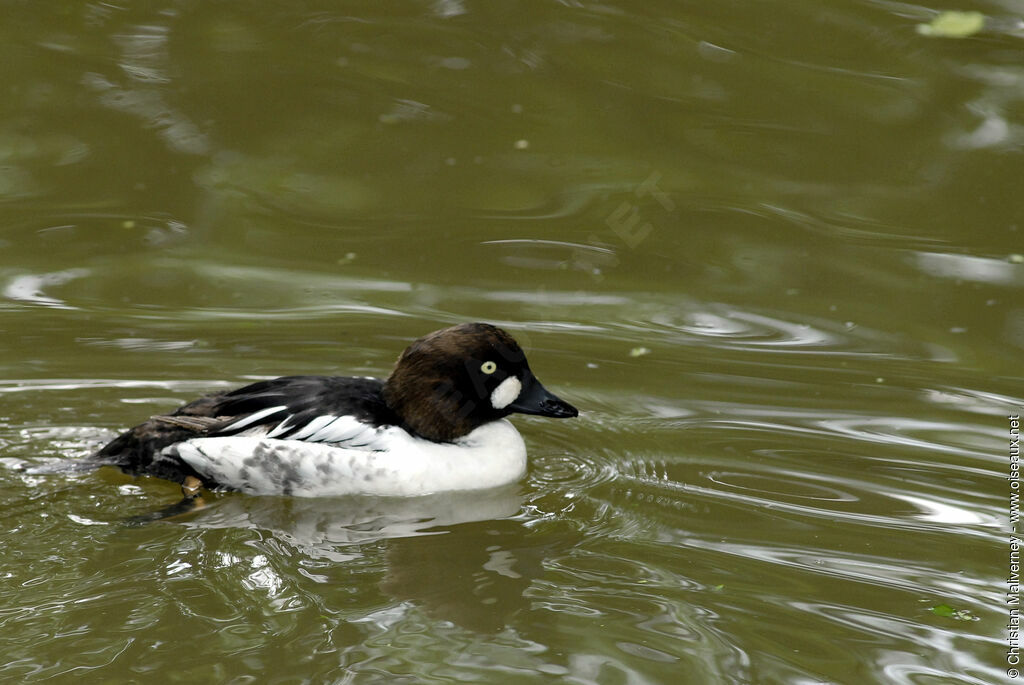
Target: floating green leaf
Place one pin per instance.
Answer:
(953, 25)
(955, 614)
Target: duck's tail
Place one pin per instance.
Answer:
(140, 450)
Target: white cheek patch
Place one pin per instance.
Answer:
(506, 392)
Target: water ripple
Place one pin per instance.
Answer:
(29, 288)
(787, 485)
(569, 471)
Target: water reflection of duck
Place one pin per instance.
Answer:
(331, 527)
(463, 556)
(437, 423)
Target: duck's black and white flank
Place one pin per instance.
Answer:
(437, 423)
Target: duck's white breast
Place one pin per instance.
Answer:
(394, 463)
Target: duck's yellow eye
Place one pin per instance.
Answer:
(488, 367)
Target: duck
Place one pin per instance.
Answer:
(437, 423)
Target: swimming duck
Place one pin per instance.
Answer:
(437, 423)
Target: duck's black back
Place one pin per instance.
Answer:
(300, 398)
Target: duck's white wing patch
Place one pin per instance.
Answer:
(348, 431)
(252, 418)
(282, 427)
(312, 427)
(339, 430)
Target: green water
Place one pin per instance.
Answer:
(772, 251)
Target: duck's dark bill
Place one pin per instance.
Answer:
(535, 399)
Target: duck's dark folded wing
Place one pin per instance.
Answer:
(292, 407)
(298, 407)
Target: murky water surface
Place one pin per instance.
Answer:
(772, 250)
